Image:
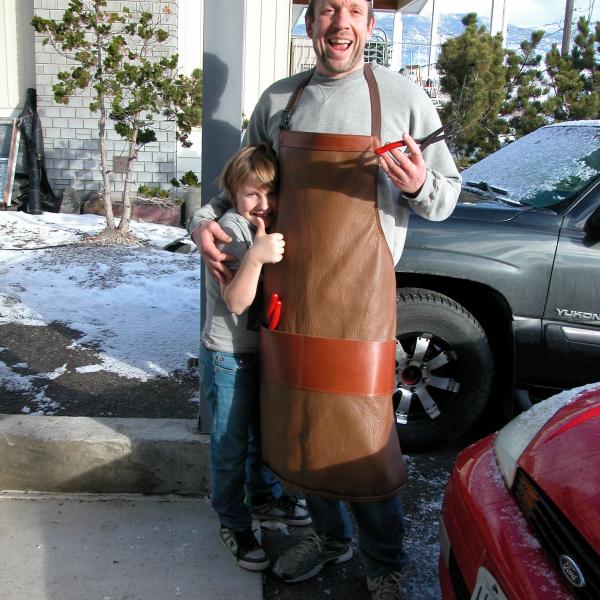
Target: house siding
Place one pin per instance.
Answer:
(71, 129)
(267, 26)
(17, 68)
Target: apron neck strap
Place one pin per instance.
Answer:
(375, 101)
(286, 116)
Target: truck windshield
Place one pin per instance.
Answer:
(545, 168)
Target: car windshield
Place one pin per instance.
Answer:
(542, 169)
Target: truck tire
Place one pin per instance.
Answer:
(444, 368)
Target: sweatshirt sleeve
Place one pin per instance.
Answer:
(238, 246)
(258, 126)
(212, 211)
(438, 196)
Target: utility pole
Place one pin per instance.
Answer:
(566, 41)
(498, 19)
(433, 39)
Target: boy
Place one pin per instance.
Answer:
(229, 361)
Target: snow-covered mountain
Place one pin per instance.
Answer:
(416, 30)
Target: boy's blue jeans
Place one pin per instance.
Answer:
(380, 530)
(231, 385)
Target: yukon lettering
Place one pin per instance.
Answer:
(578, 314)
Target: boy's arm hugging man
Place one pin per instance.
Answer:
(239, 293)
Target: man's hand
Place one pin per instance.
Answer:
(206, 236)
(406, 170)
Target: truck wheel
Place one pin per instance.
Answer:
(444, 368)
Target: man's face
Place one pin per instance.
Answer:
(339, 33)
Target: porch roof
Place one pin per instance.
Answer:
(407, 6)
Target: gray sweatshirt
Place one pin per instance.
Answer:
(342, 106)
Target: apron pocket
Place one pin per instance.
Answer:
(327, 420)
(358, 367)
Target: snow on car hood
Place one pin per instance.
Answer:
(543, 166)
(564, 460)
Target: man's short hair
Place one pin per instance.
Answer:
(256, 165)
(310, 11)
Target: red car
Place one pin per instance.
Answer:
(521, 514)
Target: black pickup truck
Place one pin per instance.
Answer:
(505, 294)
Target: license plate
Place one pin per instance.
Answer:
(486, 587)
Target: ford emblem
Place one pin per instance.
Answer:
(571, 571)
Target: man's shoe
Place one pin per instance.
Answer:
(386, 587)
(244, 548)
(286, 509)
(307, 558)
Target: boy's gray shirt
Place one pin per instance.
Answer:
(341, 106)
(223, 330)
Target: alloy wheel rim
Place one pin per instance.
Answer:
(427, 377)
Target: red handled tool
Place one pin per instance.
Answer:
(437, 136)
(274, 312)
(272, 304)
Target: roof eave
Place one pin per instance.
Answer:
(406, 6)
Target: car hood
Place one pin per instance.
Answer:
(564, 460)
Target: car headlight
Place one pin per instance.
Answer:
(514, 437)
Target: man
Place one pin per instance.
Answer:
(340, 103)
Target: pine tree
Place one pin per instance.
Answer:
(523, 106)
(574, 79)
(497, 94)
(473, 75)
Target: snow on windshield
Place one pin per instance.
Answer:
(544, 167)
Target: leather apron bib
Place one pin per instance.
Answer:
(327, 379)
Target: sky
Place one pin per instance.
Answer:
(111, 300)
(523, 13)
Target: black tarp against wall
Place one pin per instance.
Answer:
(40, 195)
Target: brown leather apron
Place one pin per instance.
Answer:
(327, 421)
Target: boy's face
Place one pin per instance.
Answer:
(253, 201)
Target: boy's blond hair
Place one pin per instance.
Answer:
(254, 164)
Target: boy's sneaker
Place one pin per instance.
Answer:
(307, 558)
(244, 548)
(285, 509)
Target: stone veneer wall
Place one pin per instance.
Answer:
(71, 131)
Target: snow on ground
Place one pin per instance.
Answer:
(139, 307)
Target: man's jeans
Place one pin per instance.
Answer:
(231, 385)
(380, 530)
